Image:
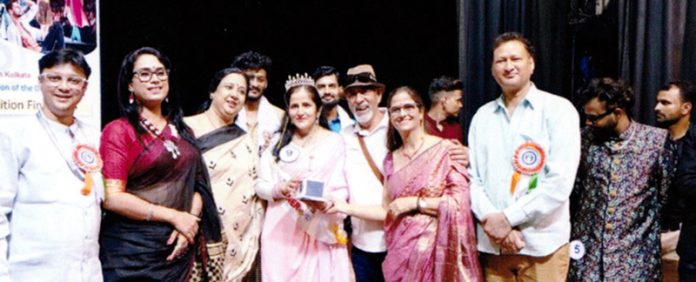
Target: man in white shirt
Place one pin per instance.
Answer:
(366, 149)
(50, 182)
(524, 152)
(259, 117)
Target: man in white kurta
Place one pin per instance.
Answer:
(49, 217)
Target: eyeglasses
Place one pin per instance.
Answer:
(594, 118)
(407, 107)
(364, 77)
(53, 79)
(146, 75)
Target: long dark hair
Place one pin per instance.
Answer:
(394, 140)
(171, 109)
(288, 129)
(215, 82)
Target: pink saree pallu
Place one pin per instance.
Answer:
(422, 247)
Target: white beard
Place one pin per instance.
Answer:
(365, 118)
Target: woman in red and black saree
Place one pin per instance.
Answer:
(156, 197)
(429, 229)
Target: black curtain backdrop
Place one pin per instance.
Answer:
(645, 42)
(656, 45)
(407, 43)
(543, 22)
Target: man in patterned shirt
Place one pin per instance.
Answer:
(620, 188)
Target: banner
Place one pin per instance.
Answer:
(31, 28)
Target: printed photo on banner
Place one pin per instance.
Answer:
(31, 28)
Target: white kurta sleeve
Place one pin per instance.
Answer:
(9, 173)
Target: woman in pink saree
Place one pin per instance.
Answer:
(429, 229)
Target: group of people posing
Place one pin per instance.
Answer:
(244, 190)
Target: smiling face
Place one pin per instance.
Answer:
(302, 110)
(62, 87)
(405, 113)
(150, 83)
(512, 66)
(229, 96)
(364, 103)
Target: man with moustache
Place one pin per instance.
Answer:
(524, 150)
(331, 93)
(621, 186)
(50, 182)
(673, 112)
(259, 117)
(366, 148)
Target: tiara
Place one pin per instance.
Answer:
(298, 80)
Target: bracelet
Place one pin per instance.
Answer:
(150, 211)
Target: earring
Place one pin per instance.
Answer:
(166, 100)
(131, 98)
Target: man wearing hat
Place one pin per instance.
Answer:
(365, 152)
(366, 148)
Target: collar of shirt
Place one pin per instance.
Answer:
(532, 99)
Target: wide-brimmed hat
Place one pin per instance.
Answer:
(361, 76)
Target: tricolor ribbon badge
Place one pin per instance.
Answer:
(88, 160)
(528, 159)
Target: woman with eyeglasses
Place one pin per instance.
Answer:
(429, 229)
(154, 201)
(231, 157)
(298, 176)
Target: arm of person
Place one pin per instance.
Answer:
(459, 153)
(269, 185)
(9, 172)
(562, 159)
(481, 205)
(115, 141)
(126, 204)
(367, 212)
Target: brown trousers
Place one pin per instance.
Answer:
(553, 267)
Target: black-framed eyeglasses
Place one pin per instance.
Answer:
(594, 118)
(364, 77)
(146, 75)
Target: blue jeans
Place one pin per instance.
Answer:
(367, 266)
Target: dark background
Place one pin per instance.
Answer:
(408, 44)
(645, 42)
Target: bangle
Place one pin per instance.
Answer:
(150, 211)
(418, 204)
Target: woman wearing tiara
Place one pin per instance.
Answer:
(153, 203)
(299, 241)
(231, 157)
(429, 228)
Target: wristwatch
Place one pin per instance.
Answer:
(422, 204)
